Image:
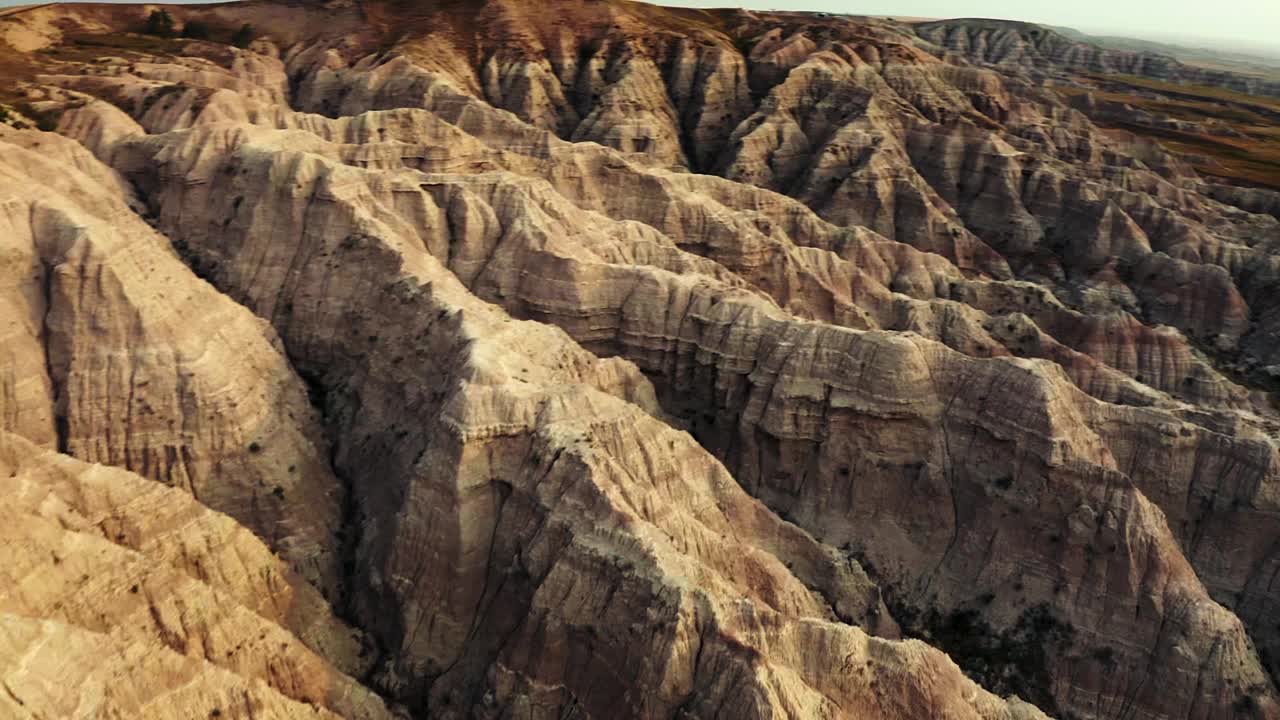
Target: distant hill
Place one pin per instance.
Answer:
(1235, 61)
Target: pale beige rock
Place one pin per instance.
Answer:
(772, 396)
(128, 359)
(984, 358)
(105, 568)
(524, 391)
(52, 669)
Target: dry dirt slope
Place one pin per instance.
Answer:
(610, 360)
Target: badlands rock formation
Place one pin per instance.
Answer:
(1037, 47)
(124, 598)
(489, 360)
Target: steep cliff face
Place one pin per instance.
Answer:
(547, 541)
(624, 361)
(867, 130)
(1002, 444)
(122, 356)
(125, 598)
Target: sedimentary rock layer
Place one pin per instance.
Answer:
(624, 361)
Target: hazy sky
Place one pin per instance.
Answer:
(1251, 24)
(1242, 24)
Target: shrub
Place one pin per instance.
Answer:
(1105, 654)
(196, 30)
(1015, 661)
(243, 36)
(160, 23)
(46, 121)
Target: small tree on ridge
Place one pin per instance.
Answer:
(243, 36)
(160, 22)
(196, 30)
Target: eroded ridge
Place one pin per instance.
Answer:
(656, 362)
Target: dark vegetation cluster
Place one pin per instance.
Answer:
(45, 121)
(161, 24)
(1014, 661)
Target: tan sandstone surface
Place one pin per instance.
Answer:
(484, 360)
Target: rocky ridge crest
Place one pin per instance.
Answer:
(670, 363)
